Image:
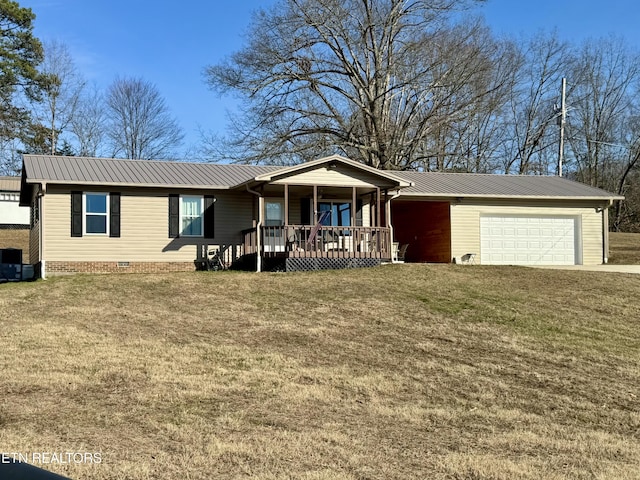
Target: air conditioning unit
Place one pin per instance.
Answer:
(10, 272)
(11, 267)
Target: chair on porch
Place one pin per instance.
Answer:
(399, 252)
(293, 240)
(402, 252)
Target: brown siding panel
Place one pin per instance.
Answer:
(425, 227)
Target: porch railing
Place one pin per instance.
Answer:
(299, 241)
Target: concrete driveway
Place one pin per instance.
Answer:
(610, 267)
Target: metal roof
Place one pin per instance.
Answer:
(432, 184)
(147, 173)
(9, 184)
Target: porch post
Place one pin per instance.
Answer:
(259, 234)
(286, 205)
(378, 220)
(387, 214)
(353, 206)
(315, 204)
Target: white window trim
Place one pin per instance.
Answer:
(279, 201)
(85, 213)
(201, 198)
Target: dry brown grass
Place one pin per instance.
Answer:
(15, 239)
(408, 371)
(624, 248)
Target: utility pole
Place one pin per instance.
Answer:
(561, 123)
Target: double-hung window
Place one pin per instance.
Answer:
(96, 213)
(191, 216)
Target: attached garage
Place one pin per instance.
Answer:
(502, 219)
(529, 240)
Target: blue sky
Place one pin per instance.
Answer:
(170, 43)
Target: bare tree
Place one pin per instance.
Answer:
(370, 78)
(604, 101)
(62, 88)
(139, 123)
(89, 122)
(532, 120)
(473, 136)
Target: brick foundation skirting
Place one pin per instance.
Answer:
(64, 268)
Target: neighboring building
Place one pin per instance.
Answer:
(107, 215)
(12, 215)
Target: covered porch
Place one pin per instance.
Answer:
(332, 213)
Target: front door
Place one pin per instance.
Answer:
(274, 221)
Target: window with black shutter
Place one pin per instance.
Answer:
(209, 216)
(76, 214)
(95, 213)
(174, 216)
(114, 214)
(191, 216)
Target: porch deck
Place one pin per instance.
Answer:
(308, 241)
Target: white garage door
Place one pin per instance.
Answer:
(517, 240)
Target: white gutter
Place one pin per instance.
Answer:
(605, 232)
(40, 200)
(258, 228)
(396, 195)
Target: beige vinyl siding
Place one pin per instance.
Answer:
(465, 225)
(295, 213)
(366, 215)
(342, 176)
(144, 228)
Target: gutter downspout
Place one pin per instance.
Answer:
(605, 232)
(258, 228)
(388, 214)
(40, 200)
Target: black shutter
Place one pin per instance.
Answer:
(174, 216)
(209, 216)
(358, 213)
(305, 211)
(76, 214)
(114, 214)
